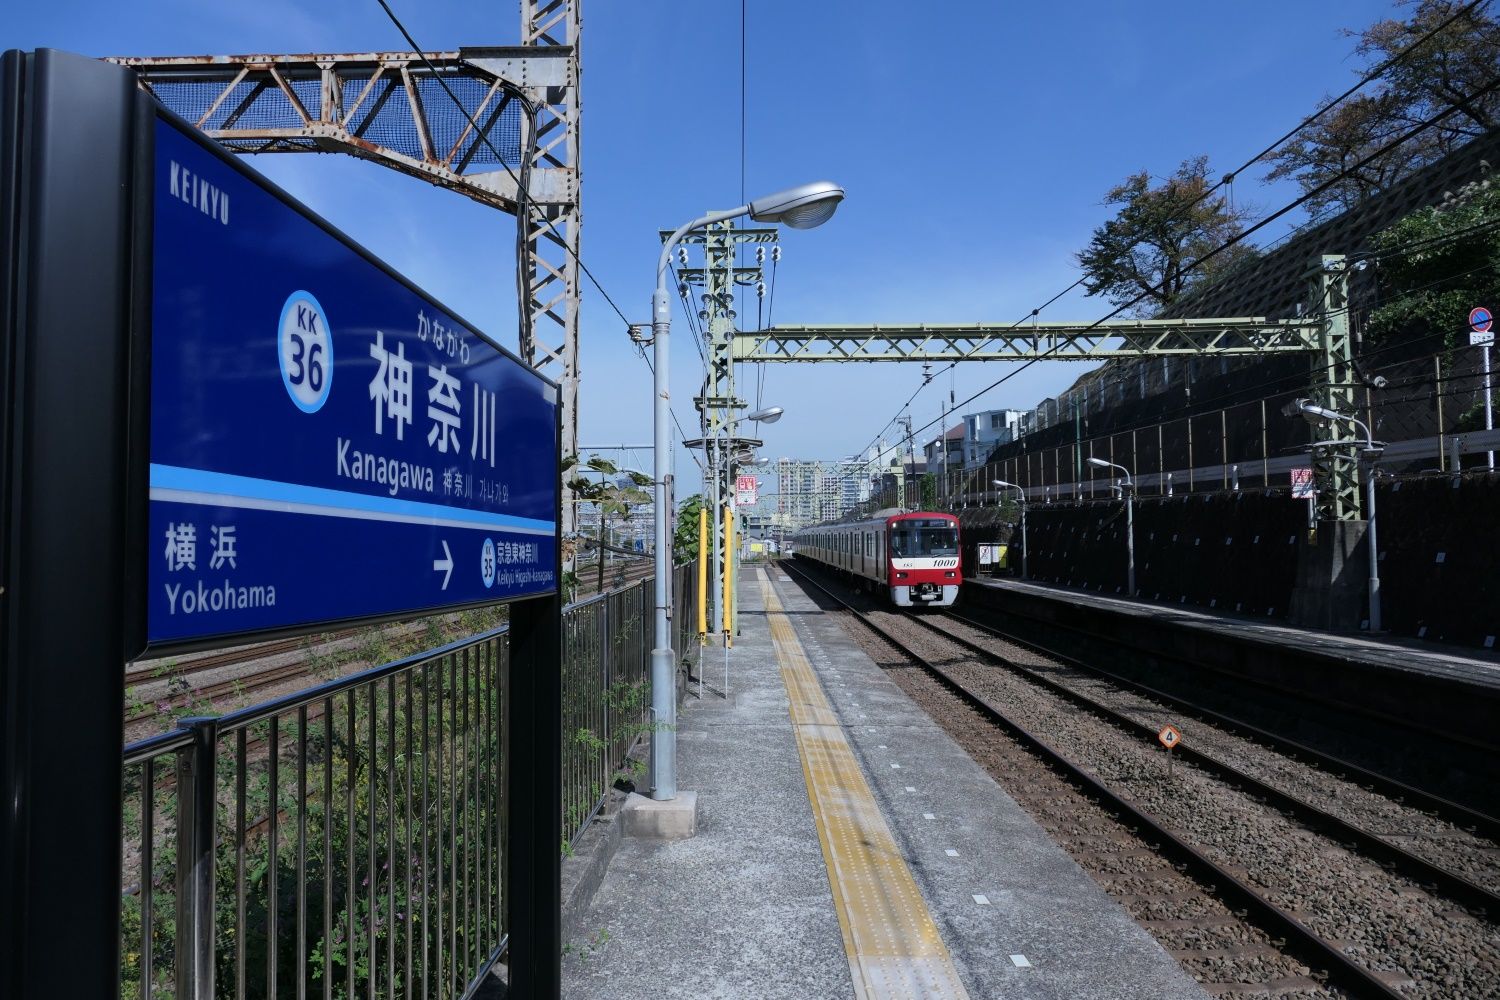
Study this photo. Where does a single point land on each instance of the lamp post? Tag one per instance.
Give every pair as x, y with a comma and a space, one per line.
1021, 495
1368, 455
800, 208
1129, 490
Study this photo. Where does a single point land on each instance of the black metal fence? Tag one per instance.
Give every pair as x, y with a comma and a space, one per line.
348, 840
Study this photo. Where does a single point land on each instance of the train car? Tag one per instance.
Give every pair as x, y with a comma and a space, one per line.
912, 557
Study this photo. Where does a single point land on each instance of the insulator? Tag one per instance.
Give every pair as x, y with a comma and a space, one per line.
760, 289
682, 255
682, 289
776, 253
731, 314
728, 297
705, 299
703, 314
760, 255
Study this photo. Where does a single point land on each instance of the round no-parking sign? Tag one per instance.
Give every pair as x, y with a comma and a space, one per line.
1481, 326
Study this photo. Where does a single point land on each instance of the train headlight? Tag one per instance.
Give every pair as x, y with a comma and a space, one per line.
900, 576
950, 574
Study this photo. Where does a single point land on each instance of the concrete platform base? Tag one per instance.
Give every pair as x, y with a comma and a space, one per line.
675, 819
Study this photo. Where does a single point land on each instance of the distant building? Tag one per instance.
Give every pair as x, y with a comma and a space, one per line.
988, 430
808, 492
953, 443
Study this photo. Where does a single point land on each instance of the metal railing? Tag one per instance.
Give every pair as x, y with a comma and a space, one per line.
348, 840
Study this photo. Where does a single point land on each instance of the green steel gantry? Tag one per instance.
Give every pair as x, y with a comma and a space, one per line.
1322, 333
718, 404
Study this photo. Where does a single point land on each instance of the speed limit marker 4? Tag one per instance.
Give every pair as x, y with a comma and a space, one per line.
1169, 736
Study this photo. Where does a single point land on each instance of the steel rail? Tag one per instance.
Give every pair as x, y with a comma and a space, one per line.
1455, 812
1300, 937
146, 675
1451, 883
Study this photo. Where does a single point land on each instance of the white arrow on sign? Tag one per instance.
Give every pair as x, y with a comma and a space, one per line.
444, 565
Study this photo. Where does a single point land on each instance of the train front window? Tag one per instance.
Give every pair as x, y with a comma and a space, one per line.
917, 539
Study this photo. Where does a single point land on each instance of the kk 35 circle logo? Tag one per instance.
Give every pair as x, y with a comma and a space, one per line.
306, 349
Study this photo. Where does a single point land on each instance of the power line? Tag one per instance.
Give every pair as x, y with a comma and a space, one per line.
523, 201
1233, 241
742, 102
1228, 178
523, 195
1281, 383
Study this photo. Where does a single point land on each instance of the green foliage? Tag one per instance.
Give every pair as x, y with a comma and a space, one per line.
1145, 251
1444, 71
929, 491
1430, 278
366, 793
685, 540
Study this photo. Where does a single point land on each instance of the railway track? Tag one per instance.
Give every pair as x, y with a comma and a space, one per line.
1457, 813
166, 672
1289, 857
634, 572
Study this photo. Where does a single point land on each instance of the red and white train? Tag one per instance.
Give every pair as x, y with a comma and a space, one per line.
913, 557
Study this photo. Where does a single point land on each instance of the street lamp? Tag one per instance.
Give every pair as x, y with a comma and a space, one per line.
800, 208
767, 415
1021, 495
1369, 455
1129, 490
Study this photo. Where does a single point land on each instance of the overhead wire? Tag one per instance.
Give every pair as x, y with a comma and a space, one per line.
483, 136
1280, 383
524, 206
1233, 241
1228, 179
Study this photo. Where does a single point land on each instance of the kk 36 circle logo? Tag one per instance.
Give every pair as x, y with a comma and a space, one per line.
306, 349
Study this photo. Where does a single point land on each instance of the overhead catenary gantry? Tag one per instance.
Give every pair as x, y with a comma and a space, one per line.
1322, 334
1034, 341
390, 108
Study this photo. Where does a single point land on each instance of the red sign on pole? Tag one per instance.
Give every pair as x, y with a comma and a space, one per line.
746, 491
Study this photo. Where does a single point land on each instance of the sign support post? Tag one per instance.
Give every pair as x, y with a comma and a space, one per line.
66, 131
1482, 333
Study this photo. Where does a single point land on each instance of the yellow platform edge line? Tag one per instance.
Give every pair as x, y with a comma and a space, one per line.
893, 944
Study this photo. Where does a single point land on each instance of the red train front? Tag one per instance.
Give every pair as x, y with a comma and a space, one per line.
913, 557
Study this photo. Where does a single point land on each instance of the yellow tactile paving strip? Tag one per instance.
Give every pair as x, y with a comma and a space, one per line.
893, 945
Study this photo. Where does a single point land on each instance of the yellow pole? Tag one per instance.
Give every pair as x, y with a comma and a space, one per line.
728, 574
703, 560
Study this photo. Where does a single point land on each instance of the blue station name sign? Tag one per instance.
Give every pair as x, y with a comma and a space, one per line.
327, 443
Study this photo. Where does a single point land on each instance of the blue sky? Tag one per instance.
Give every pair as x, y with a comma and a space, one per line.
975, 139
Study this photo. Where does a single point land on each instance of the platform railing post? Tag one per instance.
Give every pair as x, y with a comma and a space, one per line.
196, 804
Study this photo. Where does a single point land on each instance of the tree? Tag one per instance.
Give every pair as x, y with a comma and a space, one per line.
1144, 256
1333, 149
1448, 70
685, 542
1435, 265
613, 499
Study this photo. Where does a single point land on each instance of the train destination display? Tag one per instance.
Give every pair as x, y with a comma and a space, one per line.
326, 442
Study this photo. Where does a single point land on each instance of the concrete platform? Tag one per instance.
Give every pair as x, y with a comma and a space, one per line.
1447, 694
1448, 663
745, 908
